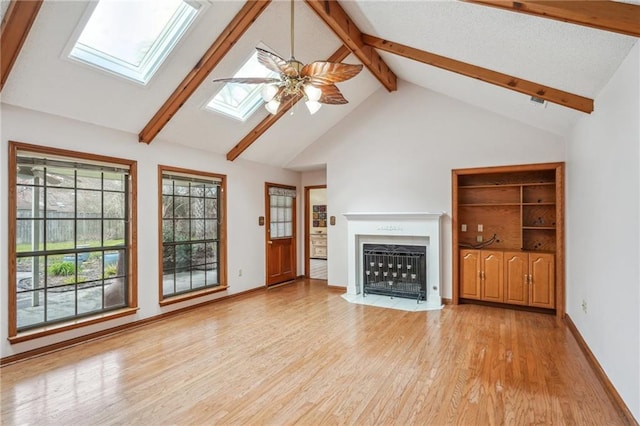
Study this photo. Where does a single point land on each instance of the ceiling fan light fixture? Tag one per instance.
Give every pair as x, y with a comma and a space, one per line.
272, 106
269, 91
313, 106
313, 93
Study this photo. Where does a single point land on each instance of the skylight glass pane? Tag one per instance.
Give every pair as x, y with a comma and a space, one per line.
132, 38
241, 100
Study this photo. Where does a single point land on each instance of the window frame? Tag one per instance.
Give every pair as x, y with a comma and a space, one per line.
131, 307
222, 235
162, 48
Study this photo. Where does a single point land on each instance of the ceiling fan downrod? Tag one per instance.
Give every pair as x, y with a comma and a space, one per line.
292, 32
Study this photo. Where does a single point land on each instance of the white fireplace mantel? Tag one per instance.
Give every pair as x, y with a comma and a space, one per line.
417, 228
398, 216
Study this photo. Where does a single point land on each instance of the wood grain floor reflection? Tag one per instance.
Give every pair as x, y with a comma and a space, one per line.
300, 354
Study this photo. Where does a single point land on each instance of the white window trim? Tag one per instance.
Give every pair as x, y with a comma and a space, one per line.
89, 57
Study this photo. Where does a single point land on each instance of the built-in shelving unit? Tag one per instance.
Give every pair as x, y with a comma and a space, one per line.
505, 211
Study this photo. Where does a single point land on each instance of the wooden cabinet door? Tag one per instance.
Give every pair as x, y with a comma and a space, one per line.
542, 280
516, 270
470, 274
492, 274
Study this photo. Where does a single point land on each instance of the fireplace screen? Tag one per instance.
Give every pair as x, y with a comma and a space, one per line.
395, 270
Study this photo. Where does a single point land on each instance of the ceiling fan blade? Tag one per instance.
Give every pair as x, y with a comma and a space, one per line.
275, 63
331, 95
247, 80
321, 72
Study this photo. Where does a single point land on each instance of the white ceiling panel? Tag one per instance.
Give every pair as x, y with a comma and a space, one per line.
569, 57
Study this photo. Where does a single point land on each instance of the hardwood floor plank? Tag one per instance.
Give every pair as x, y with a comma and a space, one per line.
300, 354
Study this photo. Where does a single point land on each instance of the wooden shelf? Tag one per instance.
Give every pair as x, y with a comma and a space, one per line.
491, 205
498, 185
539, 184
550, 228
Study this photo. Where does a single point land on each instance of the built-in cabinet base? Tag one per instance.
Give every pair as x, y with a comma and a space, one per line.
512, 277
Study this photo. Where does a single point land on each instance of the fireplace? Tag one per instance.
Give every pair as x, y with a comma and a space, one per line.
412, 233
395, 270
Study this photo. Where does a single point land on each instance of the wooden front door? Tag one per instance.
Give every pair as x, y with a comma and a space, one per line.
280, 201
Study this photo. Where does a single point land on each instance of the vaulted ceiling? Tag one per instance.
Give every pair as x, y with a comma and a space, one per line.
488, 53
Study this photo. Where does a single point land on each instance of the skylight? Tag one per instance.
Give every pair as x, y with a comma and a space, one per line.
133, 38
241, 100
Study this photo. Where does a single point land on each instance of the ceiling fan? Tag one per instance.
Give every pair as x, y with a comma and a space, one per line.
314, 82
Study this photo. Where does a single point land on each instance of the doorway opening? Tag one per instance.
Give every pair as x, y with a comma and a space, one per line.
316, 221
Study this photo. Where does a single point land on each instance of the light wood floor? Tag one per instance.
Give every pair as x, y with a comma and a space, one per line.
301, 354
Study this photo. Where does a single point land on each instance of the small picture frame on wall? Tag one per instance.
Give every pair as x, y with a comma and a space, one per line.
319, 215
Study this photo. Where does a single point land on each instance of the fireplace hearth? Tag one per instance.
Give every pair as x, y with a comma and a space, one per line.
395, 270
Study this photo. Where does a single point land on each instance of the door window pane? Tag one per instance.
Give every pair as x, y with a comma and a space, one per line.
281, 216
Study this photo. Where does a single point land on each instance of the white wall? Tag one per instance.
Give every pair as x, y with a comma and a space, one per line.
396, 152
245, 202
603, 229
314, 177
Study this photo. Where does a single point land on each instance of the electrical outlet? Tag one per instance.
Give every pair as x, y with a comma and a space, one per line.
584, 306
463, 228
239, 272
479, 238
480, 227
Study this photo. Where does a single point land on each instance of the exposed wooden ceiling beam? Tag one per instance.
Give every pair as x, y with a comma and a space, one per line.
236, 28
16, 25
341, 24
550, 94
607, 15
270, 120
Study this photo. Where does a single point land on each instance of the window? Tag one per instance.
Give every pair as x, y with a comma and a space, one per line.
281, 203
192, 233
71, 251
133, 38
241, 100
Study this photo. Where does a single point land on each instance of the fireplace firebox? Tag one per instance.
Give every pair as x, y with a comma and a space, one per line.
395, 270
